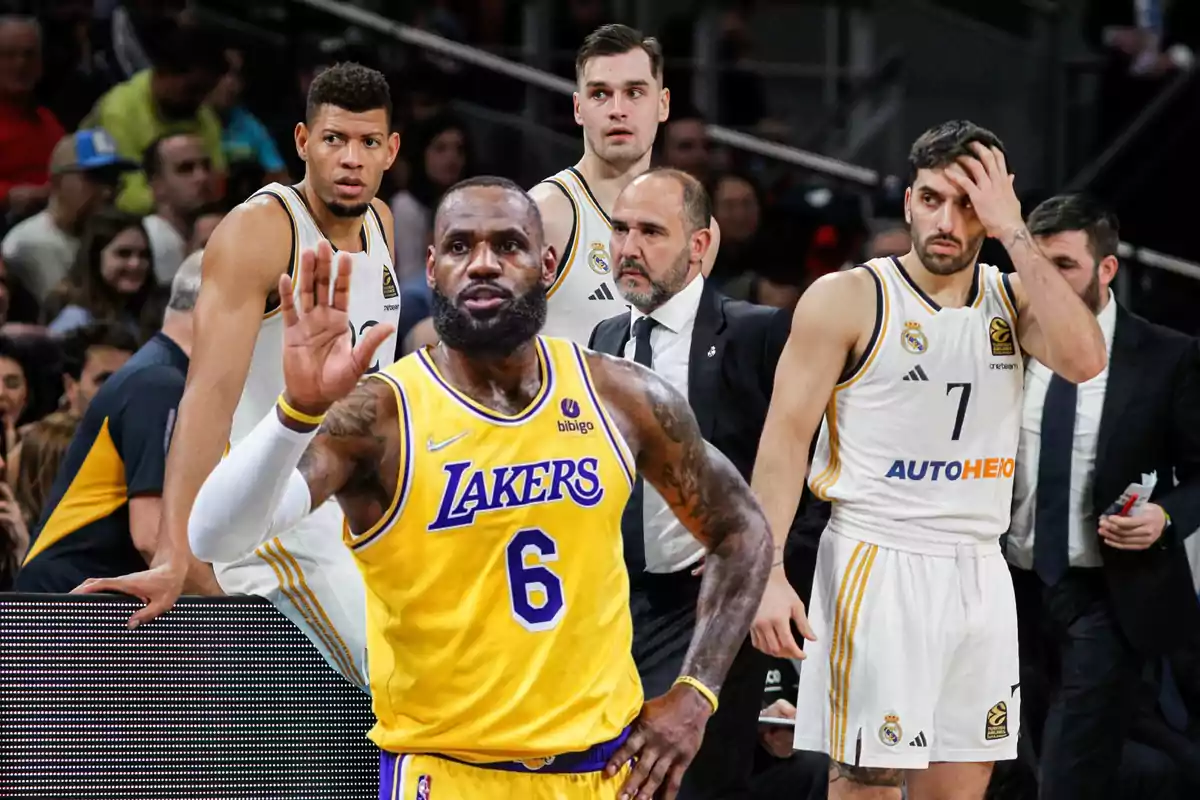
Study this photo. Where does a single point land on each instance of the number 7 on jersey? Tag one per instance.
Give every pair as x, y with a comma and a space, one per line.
963, 399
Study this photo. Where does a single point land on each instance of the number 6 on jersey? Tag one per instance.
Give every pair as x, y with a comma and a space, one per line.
534, 590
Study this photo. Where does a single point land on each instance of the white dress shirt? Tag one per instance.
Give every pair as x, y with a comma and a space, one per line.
670, 547
1083, 542
167, 247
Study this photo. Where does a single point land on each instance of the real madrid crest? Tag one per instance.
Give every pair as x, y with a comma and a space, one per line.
890, 732
598, 258
913, 338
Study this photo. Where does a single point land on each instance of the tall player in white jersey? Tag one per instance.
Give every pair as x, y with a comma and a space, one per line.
236, 372
915, 366
620, 101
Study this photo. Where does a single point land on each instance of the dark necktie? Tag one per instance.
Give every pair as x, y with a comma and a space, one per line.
632, 523
1050, 528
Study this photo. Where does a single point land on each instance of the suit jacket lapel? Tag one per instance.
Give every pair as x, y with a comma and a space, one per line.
704, 358
1122, 379
612, 336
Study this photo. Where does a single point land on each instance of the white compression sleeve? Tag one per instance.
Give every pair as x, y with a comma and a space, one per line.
253, 495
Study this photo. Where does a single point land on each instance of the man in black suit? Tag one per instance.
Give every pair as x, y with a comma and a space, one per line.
721, 354
1099, 593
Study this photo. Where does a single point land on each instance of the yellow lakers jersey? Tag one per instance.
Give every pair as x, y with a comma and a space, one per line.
497, 596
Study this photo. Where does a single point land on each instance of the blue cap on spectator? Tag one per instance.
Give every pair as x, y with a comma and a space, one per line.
87, 150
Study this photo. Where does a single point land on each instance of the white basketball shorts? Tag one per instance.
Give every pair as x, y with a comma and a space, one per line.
310, 575
915, 659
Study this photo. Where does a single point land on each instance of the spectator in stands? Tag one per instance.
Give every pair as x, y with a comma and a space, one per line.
33, 464
168, 98
102, 515
686, 146
28, 131
780, 771
112, 279
890, 238
14, 535
84, 170
1102, 590
91, 355
438, 155
244, 137
180, 176
206, 222
14, 390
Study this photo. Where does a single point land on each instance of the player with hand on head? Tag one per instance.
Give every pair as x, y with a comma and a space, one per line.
487, 529
912, 367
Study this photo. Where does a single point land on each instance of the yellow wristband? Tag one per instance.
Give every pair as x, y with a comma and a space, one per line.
688, 680
298, 416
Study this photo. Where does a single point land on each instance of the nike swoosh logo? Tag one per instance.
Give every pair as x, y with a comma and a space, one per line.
433, 446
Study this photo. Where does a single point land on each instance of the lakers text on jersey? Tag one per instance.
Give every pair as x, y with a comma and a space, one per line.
307, 573
919, 439
497, 594
584, 293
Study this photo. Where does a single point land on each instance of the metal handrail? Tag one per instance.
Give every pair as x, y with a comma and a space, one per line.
830, 167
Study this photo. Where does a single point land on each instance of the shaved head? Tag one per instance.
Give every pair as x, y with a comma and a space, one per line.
455, 194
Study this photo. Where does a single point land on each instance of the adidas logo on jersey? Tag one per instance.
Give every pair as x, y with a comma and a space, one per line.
916, 374
603, 293
919, 741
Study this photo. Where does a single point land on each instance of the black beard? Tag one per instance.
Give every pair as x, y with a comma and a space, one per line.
347, 212
496, 335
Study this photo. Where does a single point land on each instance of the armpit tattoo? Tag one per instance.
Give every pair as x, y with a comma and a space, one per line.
865, 776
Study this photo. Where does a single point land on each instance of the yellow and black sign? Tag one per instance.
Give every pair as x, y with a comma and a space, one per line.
997, 722
389, 285
1000, 332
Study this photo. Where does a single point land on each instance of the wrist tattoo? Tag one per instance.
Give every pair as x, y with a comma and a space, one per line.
1021, 234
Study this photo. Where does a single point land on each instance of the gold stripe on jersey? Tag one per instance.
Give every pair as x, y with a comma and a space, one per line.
295, 587
568, 256
1002, 290
836, 645
404, 473
847, 614
980, 288
273, 297
821, 484
591, 198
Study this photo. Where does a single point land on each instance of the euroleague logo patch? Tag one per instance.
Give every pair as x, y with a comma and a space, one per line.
997, 722
1000, 335
570, 410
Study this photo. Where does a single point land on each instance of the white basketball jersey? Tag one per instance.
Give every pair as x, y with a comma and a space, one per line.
374, 298
583, 294
919, 439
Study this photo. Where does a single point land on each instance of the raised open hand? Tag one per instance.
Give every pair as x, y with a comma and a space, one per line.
321, 364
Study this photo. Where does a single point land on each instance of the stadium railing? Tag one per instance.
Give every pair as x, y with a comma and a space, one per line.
824, 166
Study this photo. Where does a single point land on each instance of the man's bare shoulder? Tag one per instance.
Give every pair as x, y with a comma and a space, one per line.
550, 198
252, 244
840, 301
634, 395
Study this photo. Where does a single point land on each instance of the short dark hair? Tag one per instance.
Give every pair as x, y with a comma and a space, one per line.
152, 161
183, 49
697, 206
942, 145
75, 345
349, 86
495, 181
1078, 212
615, 39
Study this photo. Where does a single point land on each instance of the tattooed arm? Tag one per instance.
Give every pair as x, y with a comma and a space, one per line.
714, 502
284, 469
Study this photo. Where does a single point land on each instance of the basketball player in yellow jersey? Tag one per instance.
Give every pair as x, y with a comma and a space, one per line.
483, 481
235, 372
620, 101
911, 671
